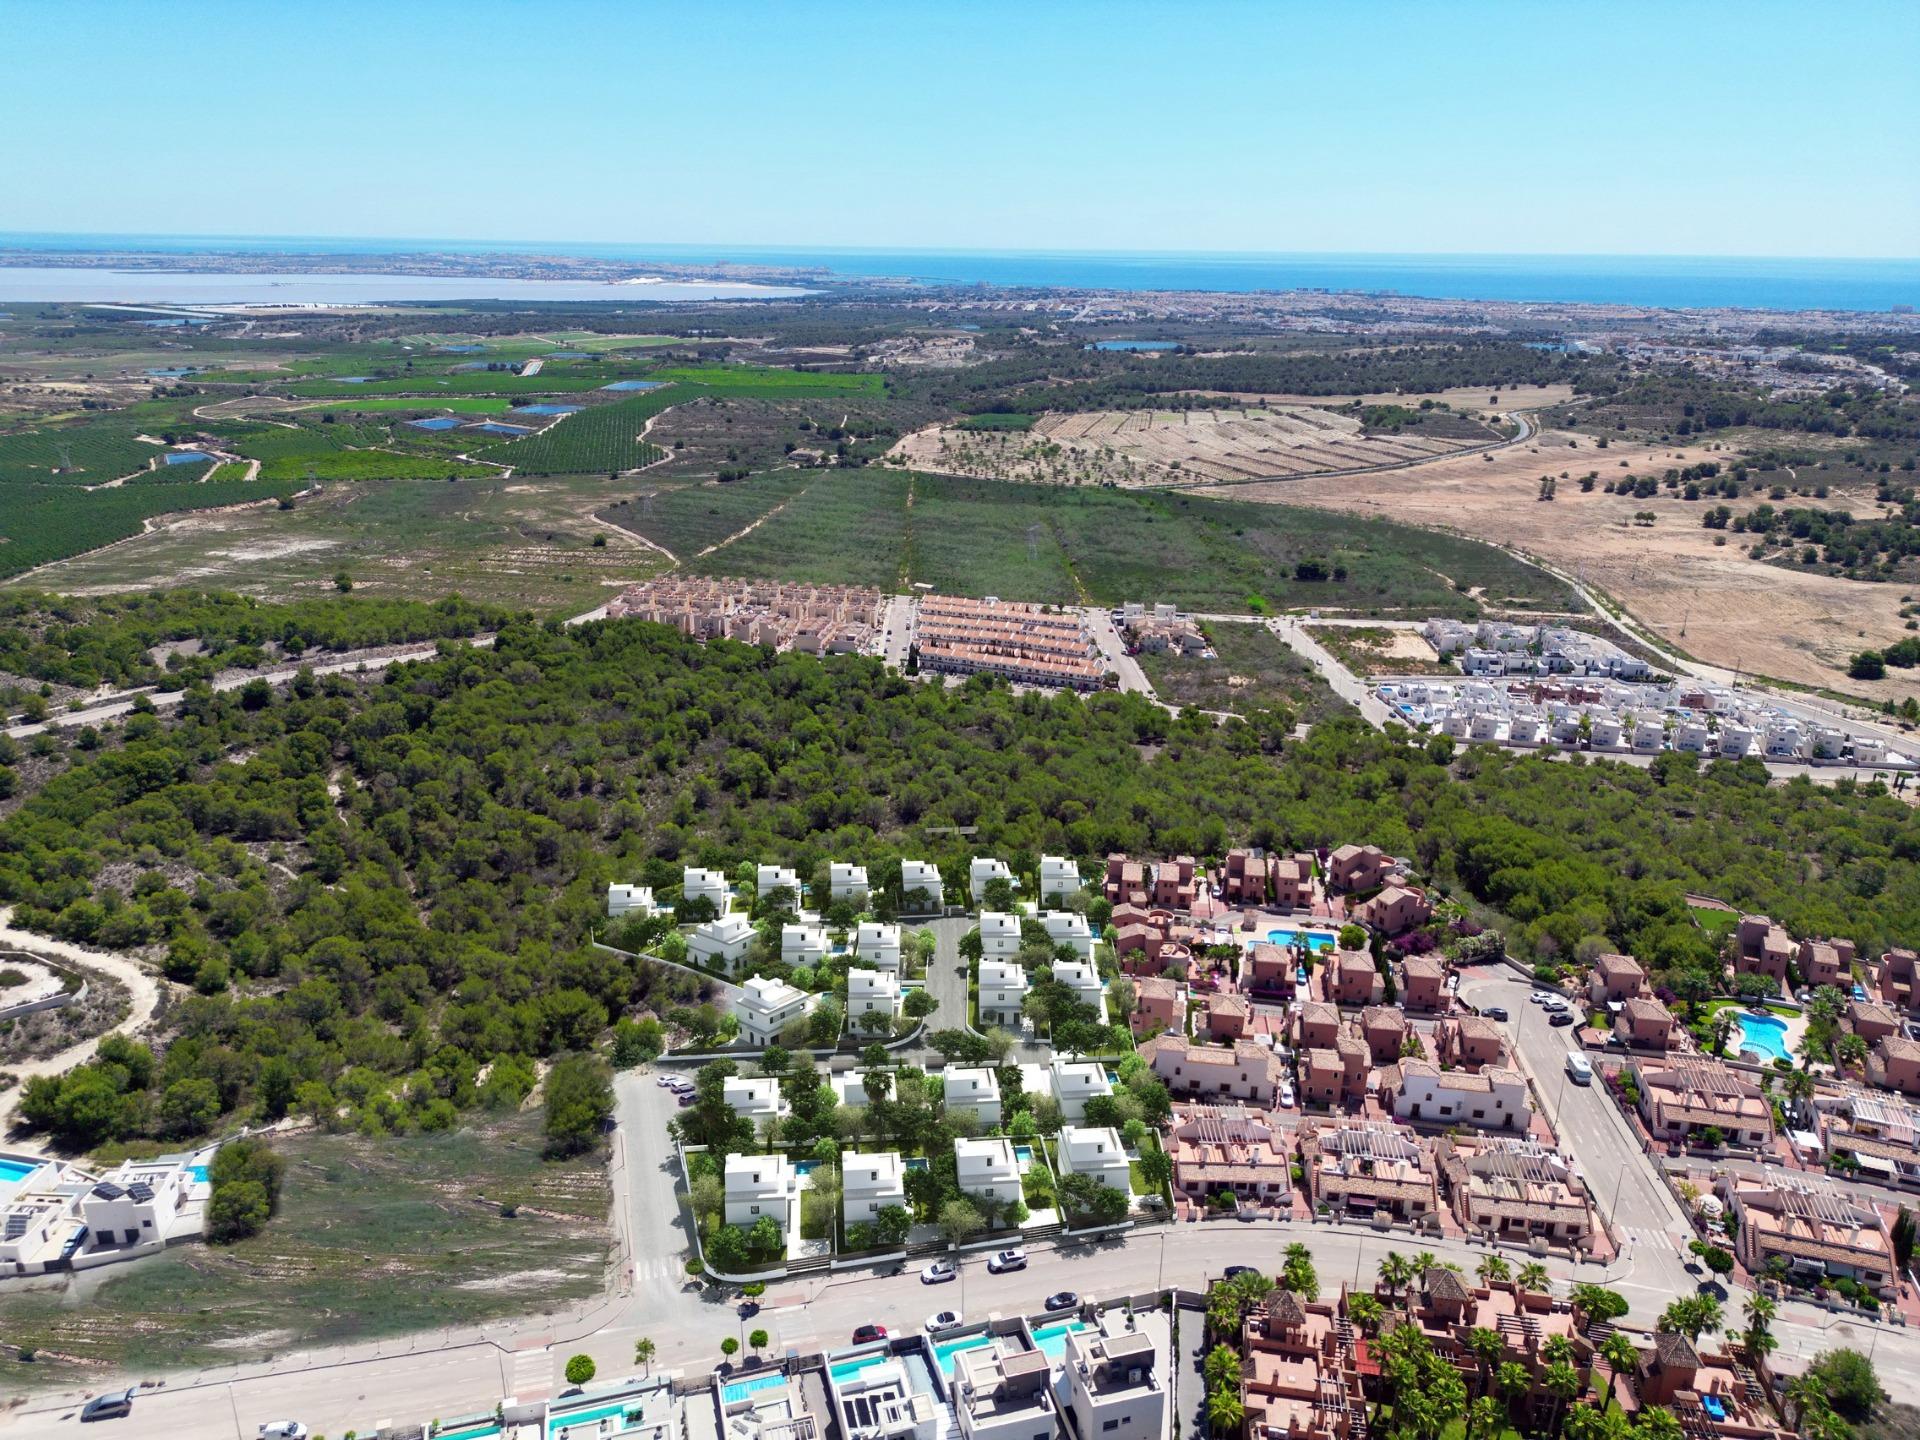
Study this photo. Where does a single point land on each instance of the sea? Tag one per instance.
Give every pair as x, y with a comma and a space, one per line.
1664, 281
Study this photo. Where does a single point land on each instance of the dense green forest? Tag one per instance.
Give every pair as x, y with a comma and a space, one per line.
374, 889
1681, 402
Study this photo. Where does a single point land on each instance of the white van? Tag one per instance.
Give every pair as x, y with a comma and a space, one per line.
1580, 1068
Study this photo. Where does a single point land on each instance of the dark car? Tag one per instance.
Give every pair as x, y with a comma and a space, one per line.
1062, 1300
1496, 1012
115, 1406
1235, 1270
1560, 1017
867, 1334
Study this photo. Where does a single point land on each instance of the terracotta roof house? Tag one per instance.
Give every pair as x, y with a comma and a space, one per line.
1357, 867
1872, 1020
1249, 1071
1291, 883
1813, 1228
1682, 1096
1395, 910
1298, 1379
1352, 978
1712, 1396
1470, 1042
1177, 883
1645, 1024
1334, 1074
1826, 962
1245, 880
1616, 978
1317, 1024
1423, 983
1356, 1167
1126, 881
1880, 1132
1385, 1030
1419, 1090
1894, 1064
1516, 1189
1158, 1004
1894, 978
1219, 1148
1227, 1016
1268, 973
1762, 948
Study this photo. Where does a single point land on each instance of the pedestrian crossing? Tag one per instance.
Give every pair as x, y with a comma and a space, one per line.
530, 1376
1650, 1236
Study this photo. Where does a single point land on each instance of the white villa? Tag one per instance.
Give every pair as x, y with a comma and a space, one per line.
974, 1090
710, 884
1074, 1083
850, 1088
1058, 876
768, 1006
1064, 927
872, 990
982, 872
770, 878
721, 943
1493, 1099
847, 882
1081, 978
1114, 1379
755, 1100
877, 945
1096, 1152
870, 1183
803, 944
986, 1167
1003, 988
630, 900
999, 935
761, 1185
919, 875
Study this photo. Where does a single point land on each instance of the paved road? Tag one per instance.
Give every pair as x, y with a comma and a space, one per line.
1348, 686
1113, 652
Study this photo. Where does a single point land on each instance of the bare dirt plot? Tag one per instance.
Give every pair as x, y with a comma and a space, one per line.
1466, 398
1710, 601
1161, 447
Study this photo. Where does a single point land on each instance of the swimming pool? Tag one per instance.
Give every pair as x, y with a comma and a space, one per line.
1136, 344
1052, 1339
804, 1167
735, 1393
848, 1369
1312, 939
1764, 1035
918, 1162
494, 427
943, 1354
11, 1170
1023, 1154
199, 1173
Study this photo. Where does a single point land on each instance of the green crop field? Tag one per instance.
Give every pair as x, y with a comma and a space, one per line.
769, 383
997, 420
847, 528
564, 379
43, 523
370, 465
688, 519
310, 437
601, 437
88, 452
449, 404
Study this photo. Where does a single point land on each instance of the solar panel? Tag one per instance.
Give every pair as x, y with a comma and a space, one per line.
140, 1191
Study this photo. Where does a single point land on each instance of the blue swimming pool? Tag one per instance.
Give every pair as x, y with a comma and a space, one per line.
1315, 940
440, 422
11, 1170
1763, 1035
634, 385
543, 409
461, 349
918, 1162
1052, 1339
943, 1354
352, 379
740, 1390
804, 1167
847, 1369
199, 1173
187, 457
1023, 1154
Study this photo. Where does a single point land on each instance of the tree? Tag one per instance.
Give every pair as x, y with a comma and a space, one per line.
758, 1339
1396, 1272
236, 1211
1492, 1268
1903, 1238
1486, 1347
1805, 1392
1224, 1410
1691, 1316
1657, 1423
729, 1347
1221, 1368
1598, 1303
1852, 1387
1620, 1353
1483, 1415
1512, 1381
920, 1003
643, 1353
960, 1221
1298, 1274
579, 1102
1365, 1311
1562, 1382
1156, 1167
1532, 1277
580, 1369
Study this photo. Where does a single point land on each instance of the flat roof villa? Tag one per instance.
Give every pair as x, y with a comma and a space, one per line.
1059, 876
1095, 1151
755, 1099
759, 1185
1066, 927
54, 1215
869, 1183
721, 944
987, 1167
999, 935
766, 1006
769, 878
803, 944
877, 945
767, 1406
982, 871
629, 900
847, 882
1116, 1376
711, 885
974, 1090
918, 875
1515, 1189
1003, 989
1075, 1082
1084, 981
1813, 1228
872, 992
1000, 1393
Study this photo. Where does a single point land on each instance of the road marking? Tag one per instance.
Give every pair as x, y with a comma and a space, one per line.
532, 1374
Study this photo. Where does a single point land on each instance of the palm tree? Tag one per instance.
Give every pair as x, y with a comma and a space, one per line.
1850, 1049
1423, 1262
1365, 1311
1221, 1367
1493, 1268
1760, 1310
643, 1353
1558, 1350
1224, 1410
1512, 1381
1803, 1393
1483, 1416
1760, 1343
1486, 1347
1620, 1353
1562, 1382
1532, 1277
1396, 1272
1798, 1088
1721, 1029
1657, 1424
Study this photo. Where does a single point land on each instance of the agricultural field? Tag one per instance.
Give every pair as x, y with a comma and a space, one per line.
844, 528
311, 436
1253, 670
1133, 448
43, 523
354, 465
772, 383
565, 379
527, 544
599, 438
688, 520
448, 405
88, 452
377, 1238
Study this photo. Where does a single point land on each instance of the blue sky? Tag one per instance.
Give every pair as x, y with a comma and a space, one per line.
1597, 128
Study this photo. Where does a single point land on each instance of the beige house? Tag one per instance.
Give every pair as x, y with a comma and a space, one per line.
1683, 1096
1362, 1167
1515, 1189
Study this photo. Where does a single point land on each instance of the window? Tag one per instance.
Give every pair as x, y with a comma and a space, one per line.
753, 1209
1109, 1424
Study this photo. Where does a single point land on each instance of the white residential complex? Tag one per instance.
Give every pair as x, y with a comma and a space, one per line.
869, 1184
1064, 927
847, 882
803, 944
999, 935
872, 992
1058, 877
767, 1006
629, 900
1003, 989
877, 945
720, 944
972, 1090
919, 875
770, 878
697, 884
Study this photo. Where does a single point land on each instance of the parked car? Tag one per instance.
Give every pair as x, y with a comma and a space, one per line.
114, 1406
1541, 997
1286, 1094
867, 1334
1496, 1012
1554, 1005
283, 1430
942, 1321
1062, 1300
1007, 1260
1232, 1270
938, 1273
1560, 1017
